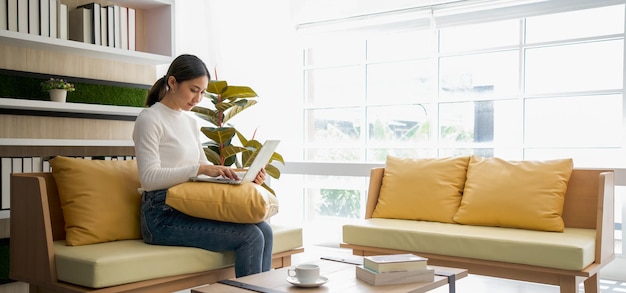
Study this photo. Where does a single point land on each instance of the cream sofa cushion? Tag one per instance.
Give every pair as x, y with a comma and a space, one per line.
421, 189
574, 249
120, 262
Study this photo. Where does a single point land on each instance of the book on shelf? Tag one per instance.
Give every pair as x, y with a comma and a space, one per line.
22, 16
80, 25
94, 9
123, 28
62, 21
27, 165
5, 181
44, 18
53, 18
12, 15
16, 164
45, 166
131, 29
110, 25
397, 277
395, 262
114, 26
3, 15
37, 164
104, 26
33, 17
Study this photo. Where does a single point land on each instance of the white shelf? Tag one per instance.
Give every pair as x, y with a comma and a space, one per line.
64, 142
48, 106
72, 47
5, 214
157, 28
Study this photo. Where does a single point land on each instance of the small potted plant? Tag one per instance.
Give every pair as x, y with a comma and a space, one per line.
58, 88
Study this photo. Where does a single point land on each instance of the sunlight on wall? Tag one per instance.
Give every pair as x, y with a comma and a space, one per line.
252, 43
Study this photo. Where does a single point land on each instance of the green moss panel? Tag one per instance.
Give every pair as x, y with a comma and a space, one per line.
28, 86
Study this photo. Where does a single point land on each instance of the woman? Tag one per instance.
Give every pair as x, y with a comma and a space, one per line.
169, 152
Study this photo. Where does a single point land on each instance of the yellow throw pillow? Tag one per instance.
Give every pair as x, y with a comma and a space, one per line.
516, 194
99, 199
421, 189
245, 203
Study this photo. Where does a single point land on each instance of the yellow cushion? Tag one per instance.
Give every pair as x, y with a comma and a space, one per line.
421, 189
99, 199
245, 203
515, 194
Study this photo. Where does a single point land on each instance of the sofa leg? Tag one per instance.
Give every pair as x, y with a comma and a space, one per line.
568, 284
592, 284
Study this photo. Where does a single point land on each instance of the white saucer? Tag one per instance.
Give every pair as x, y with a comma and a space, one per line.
320, 281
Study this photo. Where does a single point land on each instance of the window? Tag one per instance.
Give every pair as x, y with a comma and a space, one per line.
529, 86
542, 86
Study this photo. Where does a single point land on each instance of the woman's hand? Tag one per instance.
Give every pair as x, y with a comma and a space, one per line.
217, 170
260, 177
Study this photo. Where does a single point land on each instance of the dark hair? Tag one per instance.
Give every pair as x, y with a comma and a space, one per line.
184, 67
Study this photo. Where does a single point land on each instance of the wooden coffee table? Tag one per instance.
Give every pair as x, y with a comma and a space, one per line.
341, 278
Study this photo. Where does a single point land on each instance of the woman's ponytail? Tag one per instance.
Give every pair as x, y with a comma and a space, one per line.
157, 92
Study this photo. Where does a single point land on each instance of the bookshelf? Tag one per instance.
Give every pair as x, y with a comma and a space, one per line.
43, 128
154, 36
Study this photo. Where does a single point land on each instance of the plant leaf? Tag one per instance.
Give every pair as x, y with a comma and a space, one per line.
268, 188
220, 135
238, 92
272, 171
237, 109
242, 139
212, 156
217, 86
206, 114
232, 150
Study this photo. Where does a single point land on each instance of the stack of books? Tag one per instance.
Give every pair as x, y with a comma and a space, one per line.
394, 269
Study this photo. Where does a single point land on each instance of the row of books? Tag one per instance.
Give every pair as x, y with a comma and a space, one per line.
395, 269
38, 17
10, 165
110, 26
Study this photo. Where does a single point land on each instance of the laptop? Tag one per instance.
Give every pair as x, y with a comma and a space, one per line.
263, 156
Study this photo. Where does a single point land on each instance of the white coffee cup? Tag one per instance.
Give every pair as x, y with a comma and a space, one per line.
305, 273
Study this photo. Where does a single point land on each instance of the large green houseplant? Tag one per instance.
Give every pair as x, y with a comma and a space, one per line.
228, 101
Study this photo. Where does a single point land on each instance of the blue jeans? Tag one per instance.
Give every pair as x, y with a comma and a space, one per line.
164, 225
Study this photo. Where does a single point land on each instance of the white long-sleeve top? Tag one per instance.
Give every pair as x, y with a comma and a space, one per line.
167, 147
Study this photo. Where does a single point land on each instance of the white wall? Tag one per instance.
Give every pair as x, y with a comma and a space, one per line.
251, 43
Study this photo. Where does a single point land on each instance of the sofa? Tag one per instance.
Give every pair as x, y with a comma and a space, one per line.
43, 256
564, 238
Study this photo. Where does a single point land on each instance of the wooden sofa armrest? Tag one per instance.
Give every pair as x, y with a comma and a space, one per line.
605, 234
376, 181
31, 254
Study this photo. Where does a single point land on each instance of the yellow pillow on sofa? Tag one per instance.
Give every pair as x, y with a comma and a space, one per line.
516, 194
99, 199
245, 203
421, 189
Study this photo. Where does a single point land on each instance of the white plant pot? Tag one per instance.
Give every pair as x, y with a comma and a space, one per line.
58, 95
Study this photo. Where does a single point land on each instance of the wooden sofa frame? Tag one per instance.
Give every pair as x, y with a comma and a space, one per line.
37, 221
588, 205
